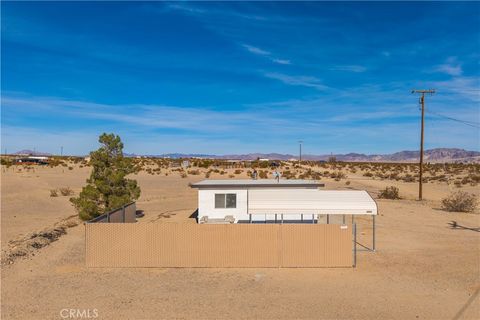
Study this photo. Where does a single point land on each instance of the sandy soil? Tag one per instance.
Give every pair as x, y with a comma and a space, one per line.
423, 269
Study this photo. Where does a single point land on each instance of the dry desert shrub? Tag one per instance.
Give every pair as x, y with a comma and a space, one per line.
338, 175
460, 201
390, 192
262, 174
408, 178
194, 172
66, 191
53, 193
287, 174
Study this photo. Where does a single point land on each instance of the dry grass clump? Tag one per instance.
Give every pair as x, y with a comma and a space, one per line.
288, 175
262, 174
338, 175
460, 201
66, 191
390, 192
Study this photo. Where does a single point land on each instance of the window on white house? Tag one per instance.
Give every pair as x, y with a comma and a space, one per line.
225, 200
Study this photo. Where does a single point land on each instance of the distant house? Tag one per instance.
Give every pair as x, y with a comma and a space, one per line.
32, 160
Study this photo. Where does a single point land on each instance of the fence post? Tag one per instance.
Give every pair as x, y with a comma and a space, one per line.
280, 244
123, 213
354, 245
108, 217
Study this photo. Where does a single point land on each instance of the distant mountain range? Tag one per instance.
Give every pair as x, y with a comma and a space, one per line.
431, 155
31, 153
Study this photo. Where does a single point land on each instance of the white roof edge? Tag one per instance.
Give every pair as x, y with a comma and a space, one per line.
256, 183
335, 202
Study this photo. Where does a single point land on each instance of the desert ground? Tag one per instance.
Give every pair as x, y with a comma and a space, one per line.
422, 269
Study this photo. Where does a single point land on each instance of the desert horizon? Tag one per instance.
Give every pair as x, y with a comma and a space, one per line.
436, 155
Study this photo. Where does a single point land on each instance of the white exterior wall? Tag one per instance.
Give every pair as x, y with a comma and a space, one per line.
206, 204
262, 204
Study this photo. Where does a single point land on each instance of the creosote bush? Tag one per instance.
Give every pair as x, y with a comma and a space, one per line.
53, 193
66, 191
262, 174
390, 192
460, 201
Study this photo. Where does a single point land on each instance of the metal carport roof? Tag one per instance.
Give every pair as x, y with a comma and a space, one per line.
310, 201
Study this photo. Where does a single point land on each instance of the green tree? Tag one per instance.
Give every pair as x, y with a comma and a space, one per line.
107, 188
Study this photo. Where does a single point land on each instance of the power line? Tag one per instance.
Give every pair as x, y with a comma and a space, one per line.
468, 123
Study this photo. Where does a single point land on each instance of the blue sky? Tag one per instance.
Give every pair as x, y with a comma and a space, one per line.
228, 78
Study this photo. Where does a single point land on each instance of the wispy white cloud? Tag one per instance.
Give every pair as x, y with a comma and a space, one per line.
451, 67
199, 119
262, 52
182, 7
213, 11
256, 50
304, 81
162, 128
282, 61
460, 87
350, 68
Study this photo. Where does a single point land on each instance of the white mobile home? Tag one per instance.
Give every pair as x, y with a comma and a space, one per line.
272, 201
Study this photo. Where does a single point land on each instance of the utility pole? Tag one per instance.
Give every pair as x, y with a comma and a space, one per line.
422, 102
300, 157
61, 151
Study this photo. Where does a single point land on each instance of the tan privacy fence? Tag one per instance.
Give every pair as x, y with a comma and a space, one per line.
126, 214
218, 246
